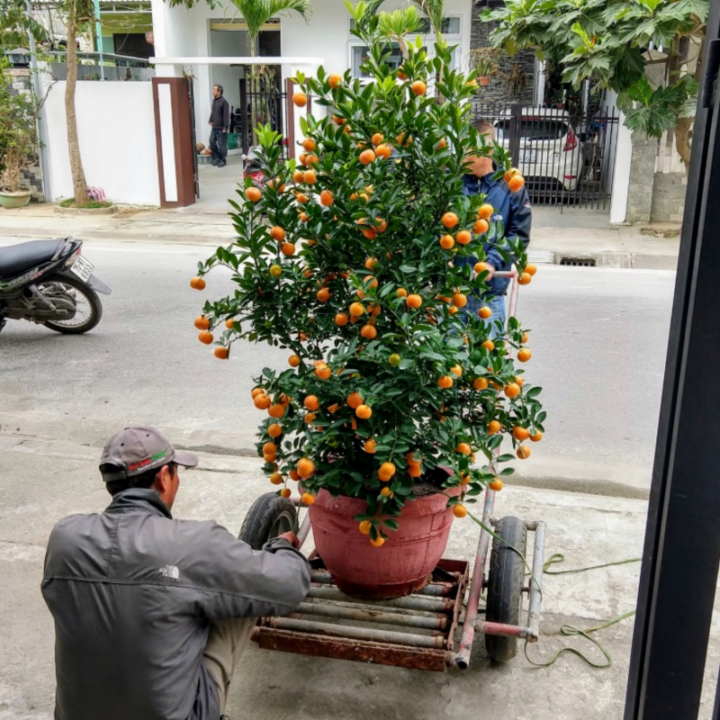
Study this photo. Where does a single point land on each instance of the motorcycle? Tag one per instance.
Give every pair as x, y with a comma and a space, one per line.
251, 165
49, 282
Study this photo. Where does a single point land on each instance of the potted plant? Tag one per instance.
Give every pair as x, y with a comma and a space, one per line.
485, 69
394, 402
485, 64
17, 144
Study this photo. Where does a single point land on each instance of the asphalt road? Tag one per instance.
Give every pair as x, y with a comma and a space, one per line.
598, 339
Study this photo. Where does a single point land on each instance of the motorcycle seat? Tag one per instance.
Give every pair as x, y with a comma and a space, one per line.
16, 259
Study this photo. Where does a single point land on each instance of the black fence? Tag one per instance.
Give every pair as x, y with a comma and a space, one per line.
262, 102
567, 159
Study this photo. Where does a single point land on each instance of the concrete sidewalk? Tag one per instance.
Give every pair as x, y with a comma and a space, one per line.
41, 480
60, 478
572, 234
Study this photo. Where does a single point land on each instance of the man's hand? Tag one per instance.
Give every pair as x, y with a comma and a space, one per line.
490, 272
292, 538
224, 130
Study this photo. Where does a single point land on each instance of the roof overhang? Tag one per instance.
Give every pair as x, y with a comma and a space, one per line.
237, 60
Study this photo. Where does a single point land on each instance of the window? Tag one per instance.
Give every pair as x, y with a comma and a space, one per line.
537, 129
133, 45
450, 26
360, 54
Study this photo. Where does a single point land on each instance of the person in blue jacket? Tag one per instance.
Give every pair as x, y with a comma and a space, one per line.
512, 209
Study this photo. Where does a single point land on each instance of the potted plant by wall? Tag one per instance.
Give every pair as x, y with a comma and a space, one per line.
18, 144
485, 69
395, 402
485, 60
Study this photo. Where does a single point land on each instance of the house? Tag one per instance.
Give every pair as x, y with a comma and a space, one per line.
126, 28
220, 32
157, 122
518, 79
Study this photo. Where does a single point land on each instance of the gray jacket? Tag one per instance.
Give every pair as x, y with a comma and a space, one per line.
133, 593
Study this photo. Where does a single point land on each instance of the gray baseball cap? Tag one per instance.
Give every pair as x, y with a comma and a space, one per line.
135, 450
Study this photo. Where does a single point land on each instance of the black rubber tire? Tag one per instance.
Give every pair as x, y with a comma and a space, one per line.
505, 583
268, 517
90, 295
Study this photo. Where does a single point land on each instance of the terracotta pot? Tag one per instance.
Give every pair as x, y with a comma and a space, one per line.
399, 567
484, 80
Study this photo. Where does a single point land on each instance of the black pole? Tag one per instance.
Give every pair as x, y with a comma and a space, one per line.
682, 541
244, 114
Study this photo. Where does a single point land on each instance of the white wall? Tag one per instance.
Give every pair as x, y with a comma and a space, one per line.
325, 36
180, 32
228, 43
619, 150
328, 33
116, 126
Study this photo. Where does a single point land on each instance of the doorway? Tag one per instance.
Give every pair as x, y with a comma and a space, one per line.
228, 38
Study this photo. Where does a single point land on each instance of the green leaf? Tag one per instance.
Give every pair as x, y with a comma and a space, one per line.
533, 393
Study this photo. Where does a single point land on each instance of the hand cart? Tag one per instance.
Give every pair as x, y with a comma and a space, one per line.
432, 629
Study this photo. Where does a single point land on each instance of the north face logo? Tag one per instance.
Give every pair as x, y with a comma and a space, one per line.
170, 571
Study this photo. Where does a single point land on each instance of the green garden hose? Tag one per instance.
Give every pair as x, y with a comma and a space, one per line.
587, 633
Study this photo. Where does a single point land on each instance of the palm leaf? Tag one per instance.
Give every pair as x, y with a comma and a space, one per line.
399, 23
257, 12
372, 6
435, 11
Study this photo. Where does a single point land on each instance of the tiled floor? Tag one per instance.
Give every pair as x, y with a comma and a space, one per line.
218, 184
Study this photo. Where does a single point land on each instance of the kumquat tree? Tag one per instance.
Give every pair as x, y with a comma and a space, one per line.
345, 259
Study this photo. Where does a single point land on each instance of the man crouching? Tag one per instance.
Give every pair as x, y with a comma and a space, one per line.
152, 613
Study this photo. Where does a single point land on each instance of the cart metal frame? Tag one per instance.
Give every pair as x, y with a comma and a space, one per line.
419, 631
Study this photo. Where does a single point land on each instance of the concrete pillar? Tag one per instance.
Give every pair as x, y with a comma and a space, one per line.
642, 178
175, 151
622, 152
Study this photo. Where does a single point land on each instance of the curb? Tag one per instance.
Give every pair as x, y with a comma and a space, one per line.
605, 259
72, 211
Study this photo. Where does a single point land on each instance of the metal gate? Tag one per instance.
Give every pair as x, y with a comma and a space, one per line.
191, 92
567, 159
262, 101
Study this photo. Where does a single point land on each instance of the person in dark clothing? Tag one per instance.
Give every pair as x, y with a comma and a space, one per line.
152, 613
512, 210
220, 124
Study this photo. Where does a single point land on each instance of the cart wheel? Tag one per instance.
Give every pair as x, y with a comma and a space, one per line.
268, 517
505, 582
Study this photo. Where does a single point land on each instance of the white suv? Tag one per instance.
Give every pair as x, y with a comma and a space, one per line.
550, 154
